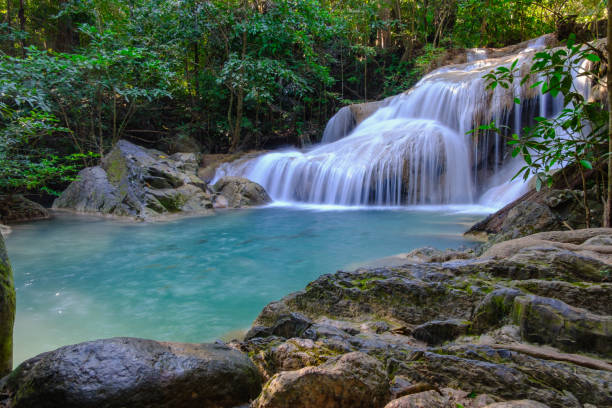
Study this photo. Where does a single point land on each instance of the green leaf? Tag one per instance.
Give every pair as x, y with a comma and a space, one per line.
586, 164
592, 57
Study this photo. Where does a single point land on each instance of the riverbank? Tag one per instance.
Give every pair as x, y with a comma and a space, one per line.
528, 319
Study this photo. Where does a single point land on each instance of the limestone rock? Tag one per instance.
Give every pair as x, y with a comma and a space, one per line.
352, 380
7, 311
129, 372
16, 208
551, 321
138, 182
241, 192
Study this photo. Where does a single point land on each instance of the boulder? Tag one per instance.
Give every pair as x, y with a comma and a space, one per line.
441, 398
129, 372
353, 380
16, 208
137, 182
147, 184
551, 321
7, 311
241, 192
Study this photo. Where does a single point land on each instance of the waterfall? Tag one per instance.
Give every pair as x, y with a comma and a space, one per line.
414, 149
340, 125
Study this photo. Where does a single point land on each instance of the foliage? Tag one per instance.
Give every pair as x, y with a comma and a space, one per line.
578, 133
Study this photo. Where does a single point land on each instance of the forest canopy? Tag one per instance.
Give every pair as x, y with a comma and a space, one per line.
221, 75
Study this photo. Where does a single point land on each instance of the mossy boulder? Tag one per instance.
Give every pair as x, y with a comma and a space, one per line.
17, 208
551, 321
7, 311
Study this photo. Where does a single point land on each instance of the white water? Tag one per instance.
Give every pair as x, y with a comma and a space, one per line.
414, 150
340, 125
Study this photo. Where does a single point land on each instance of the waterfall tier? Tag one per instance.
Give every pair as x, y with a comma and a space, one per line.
414, 149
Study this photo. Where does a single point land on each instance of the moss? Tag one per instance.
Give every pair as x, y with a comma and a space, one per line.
115, 168
7, 312
366, 283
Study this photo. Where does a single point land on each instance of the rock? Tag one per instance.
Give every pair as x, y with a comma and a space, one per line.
440, 398
494, 309
438, 331
593, 243
508, 375
5, 230
517, 404
241, 192
16, 208
287, 326
123, 372
544, 210
551, 321
527, 218
7, 311
352, 380
141, 183
596, 298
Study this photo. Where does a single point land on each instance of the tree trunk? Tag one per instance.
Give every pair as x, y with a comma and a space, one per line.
7, 312
22, 24
239, 99
607, 221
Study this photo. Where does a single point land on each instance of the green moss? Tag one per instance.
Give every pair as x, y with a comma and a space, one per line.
7, 312
366, 283
115, 168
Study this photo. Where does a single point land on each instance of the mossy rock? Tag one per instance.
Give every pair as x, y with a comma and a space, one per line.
7, 311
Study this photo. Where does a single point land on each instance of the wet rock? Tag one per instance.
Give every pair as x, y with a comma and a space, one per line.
551, 321
16, 208
7, 311
241, 192
123, 372
352, 380
438, 331
287, 326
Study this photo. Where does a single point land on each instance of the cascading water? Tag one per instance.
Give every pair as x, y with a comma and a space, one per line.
340, 125
413, 150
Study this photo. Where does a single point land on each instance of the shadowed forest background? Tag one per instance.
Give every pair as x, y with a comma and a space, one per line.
222, 76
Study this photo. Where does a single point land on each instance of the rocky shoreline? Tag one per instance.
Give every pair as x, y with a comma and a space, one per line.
526, 324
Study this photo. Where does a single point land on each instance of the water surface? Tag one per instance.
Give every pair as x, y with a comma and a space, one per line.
195, 279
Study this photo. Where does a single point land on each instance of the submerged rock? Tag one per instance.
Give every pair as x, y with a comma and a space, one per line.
147, 184
16, 208
7, 311
129, 372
